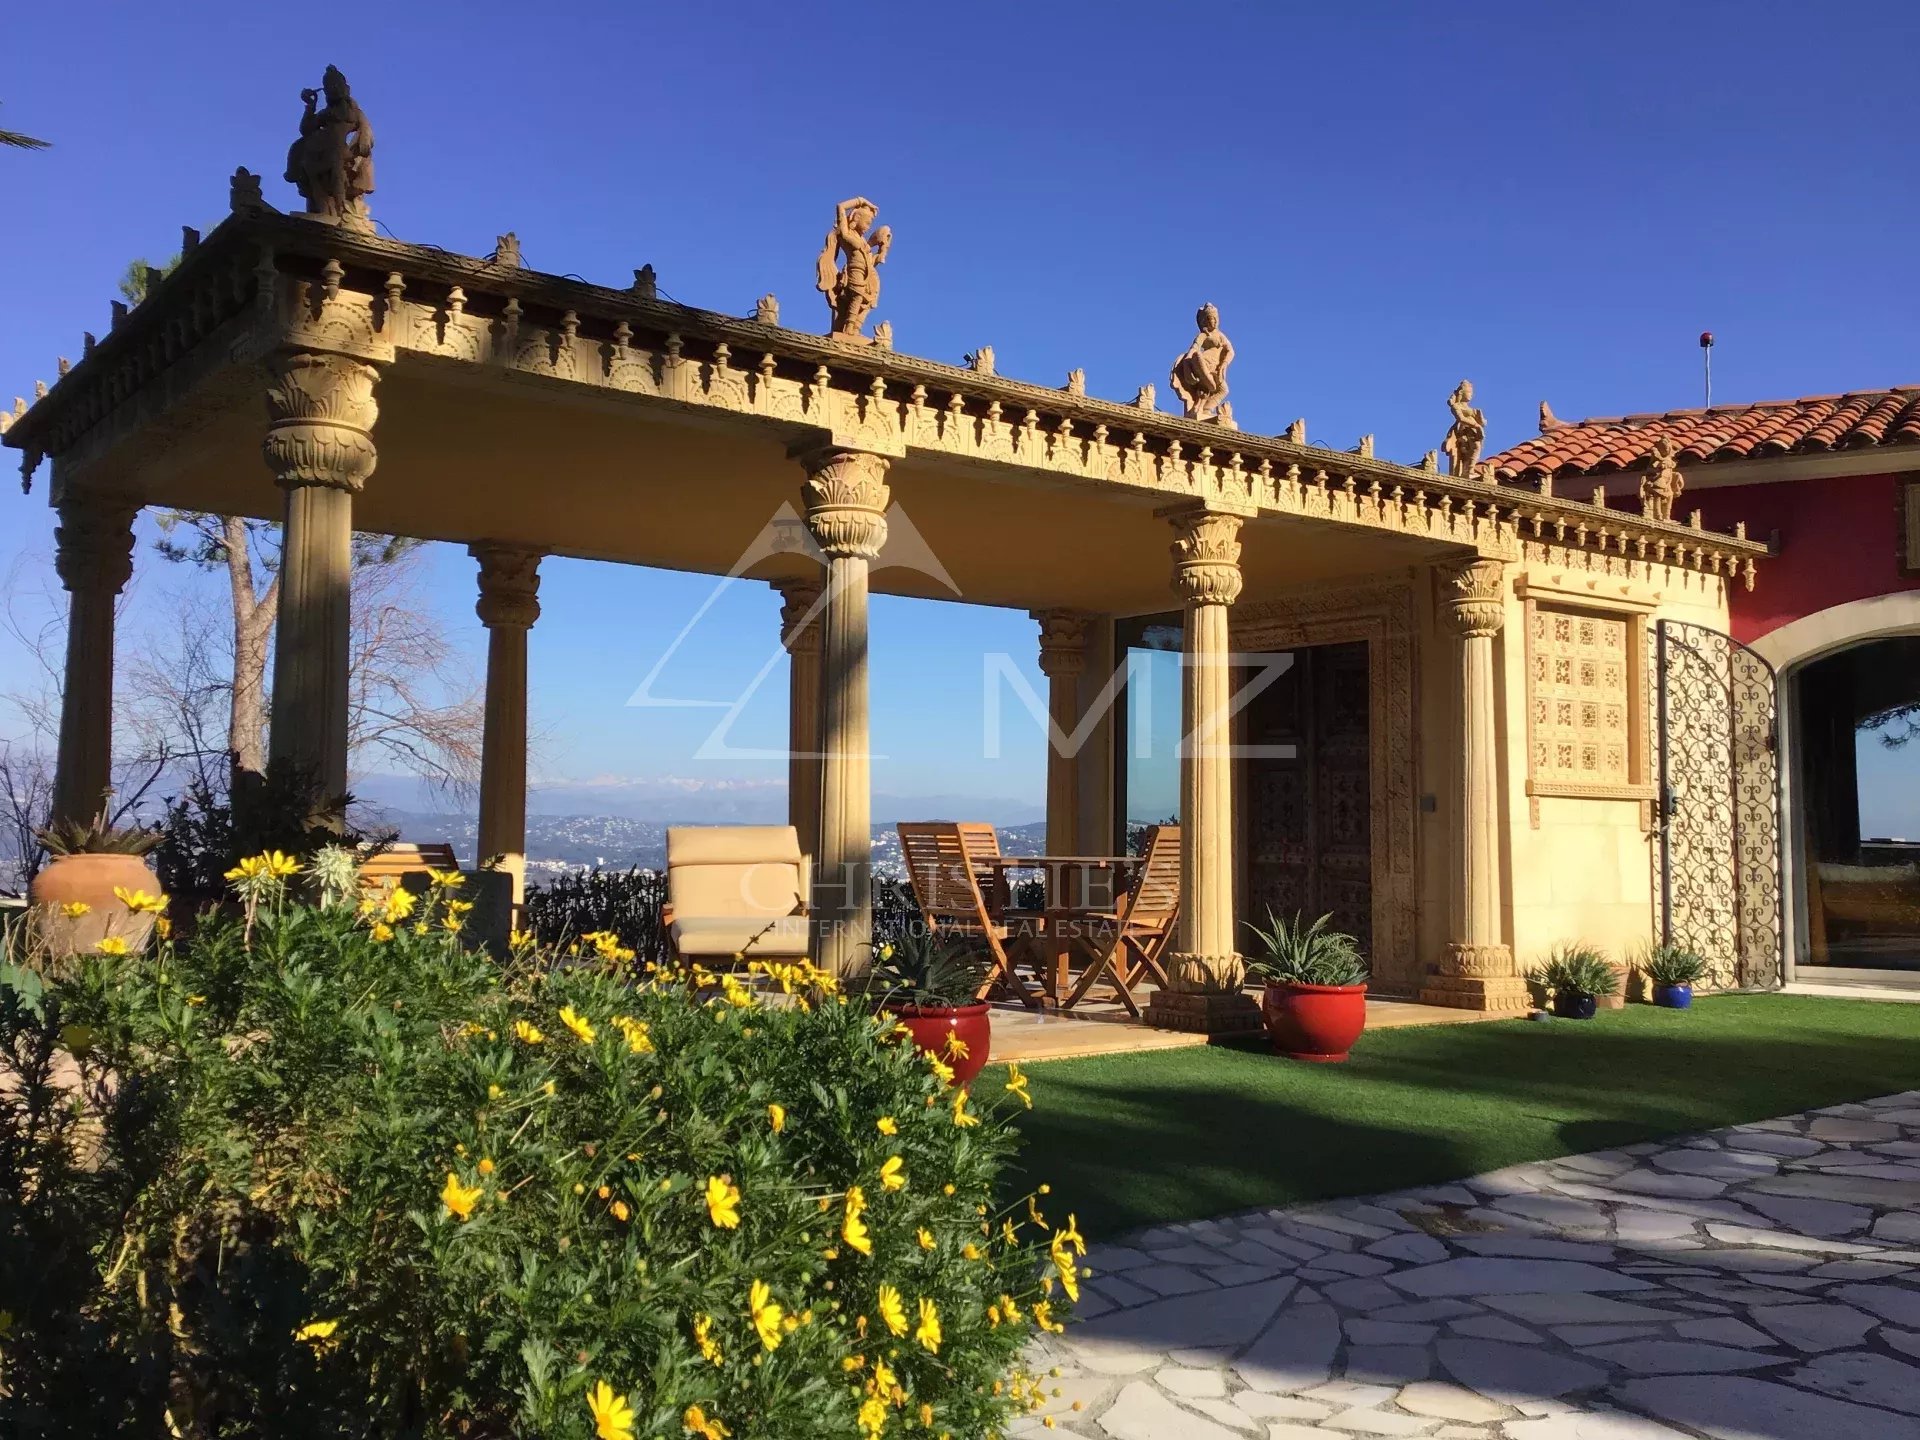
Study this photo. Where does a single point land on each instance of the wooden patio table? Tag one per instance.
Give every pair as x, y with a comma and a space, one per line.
1061, 924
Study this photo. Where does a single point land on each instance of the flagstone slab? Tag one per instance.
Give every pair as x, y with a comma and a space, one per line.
1591, 1425
1898, 1303
1679, 1357
1141, 1412
1816, 1327
1850, 1189
1514, 1373
1864, 1376
1738, 1407
1495, 1275
1294, 1353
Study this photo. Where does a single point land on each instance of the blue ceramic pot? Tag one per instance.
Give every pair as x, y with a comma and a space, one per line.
1575, 1007
1674, 997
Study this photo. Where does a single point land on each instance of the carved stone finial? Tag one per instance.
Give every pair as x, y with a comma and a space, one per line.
980, 361
1076, 382
39, 391
1365, 447
87, 342
1663, 483
1431, 462
646, 284
331, 164
1467, 436
883, 335
62, 365
1549, 422
1199, 377
1224, 416
119, 313
767, 310
243, 192
1297, 432
848, 270
1599, 497
506, 251
6, 421
1145, 400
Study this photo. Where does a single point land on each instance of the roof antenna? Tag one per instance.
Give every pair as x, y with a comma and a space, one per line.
1706, 359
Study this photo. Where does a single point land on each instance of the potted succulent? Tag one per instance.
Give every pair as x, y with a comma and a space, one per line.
931, 984
1578, 977
1315, 1002
1673, 971
95, 888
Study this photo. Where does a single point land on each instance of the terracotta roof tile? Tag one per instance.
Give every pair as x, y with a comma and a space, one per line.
1807, 426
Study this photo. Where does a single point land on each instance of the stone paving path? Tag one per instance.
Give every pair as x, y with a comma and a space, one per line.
1756, 1283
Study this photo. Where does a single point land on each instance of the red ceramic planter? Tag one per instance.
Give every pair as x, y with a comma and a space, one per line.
1314, 1022
933, 1025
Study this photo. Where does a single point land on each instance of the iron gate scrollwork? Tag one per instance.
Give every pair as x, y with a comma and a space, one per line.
1717, 734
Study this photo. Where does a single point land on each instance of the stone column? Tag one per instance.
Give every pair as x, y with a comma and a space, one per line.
846, 500
800, 633
94, 557
1063, 658
1205, 967
509, 603
1477, 971
319, 446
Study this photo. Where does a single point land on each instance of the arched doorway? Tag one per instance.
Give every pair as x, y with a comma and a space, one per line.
1856, 777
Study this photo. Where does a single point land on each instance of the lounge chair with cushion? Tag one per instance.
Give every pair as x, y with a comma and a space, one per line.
737, 891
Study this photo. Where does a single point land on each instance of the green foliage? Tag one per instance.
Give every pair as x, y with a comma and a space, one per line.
624, 903
319, 1172
140, 276
98, 836
205, 834
1673, 965
1293, 952
1577, 969
922, 968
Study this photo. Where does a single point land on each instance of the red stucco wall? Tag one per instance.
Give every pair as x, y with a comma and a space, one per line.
1839, 541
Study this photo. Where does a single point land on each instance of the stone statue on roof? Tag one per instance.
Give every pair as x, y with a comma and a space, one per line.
331, 164
1660, 487
1467, 436
1200, 376
849, 267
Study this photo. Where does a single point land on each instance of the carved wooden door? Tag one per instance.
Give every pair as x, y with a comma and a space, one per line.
1309, 822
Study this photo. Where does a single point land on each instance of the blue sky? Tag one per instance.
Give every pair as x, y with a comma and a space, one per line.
1381, 198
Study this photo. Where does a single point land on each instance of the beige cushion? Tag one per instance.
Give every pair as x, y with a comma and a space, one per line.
739, 872
781, 937
721, 844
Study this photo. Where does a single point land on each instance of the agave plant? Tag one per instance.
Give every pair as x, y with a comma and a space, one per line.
930, 970
1295, 953
1673, 965
1577, 970
98, 836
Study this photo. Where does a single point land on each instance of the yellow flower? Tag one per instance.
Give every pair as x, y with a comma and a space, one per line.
485, 1167
925, 1237
638, 1041
698, 1422
452, 923
723, 1202
449, 880
928, 1332
163, 927
892, 1175
1017, 1085
398, 905
1008, 1308
519, 939
1069, 1234
892, 1311
317, 1332
139, 901
777, 1117
270, 865
703, 1337
960, 1115
381, 932
620, 1211
111, 945
766, 1314
853, 1229
1043, 1317
493, 1092
887, 1125
940, 1067
196, 999
577, 1023
459, 1199
872, 1417
527, 1033
970, 1251
612, 1415
956, 1047
74, 909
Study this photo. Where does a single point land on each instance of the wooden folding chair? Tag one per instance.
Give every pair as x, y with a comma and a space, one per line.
961, 897
1128, 945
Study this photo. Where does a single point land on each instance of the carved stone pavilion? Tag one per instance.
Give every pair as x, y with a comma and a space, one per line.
1469, 715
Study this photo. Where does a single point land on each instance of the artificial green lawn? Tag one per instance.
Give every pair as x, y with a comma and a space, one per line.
1134, 1140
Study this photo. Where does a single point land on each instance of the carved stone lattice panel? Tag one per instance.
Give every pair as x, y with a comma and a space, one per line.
1719, 856
1579, 697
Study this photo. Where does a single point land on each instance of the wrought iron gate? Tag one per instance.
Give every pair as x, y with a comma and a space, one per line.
1717, 733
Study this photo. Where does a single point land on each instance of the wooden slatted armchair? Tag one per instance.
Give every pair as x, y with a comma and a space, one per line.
1128, 946
962, 898
400, 860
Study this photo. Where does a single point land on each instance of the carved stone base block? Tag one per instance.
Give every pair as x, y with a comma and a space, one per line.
1203, 1012
1505, 993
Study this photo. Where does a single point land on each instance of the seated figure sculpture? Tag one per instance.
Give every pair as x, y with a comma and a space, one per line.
1200, 376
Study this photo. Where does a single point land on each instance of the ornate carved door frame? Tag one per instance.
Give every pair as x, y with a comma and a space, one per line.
1382, 613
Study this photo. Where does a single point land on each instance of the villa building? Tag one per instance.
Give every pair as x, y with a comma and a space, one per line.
1461, 756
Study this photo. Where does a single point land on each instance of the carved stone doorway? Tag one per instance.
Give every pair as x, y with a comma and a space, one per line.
1309, 831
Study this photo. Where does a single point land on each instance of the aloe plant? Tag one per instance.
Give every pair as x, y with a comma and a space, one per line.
1577, 970
923, 968
1292, 952
98, 836
1673, 965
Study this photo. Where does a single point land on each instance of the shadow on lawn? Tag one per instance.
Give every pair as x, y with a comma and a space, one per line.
1136, 1140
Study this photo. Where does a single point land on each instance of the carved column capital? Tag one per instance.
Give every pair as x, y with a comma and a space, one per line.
1473, 597
94, 543
509, 585
846, 497
1063, 642
1206, 557
799, 614
320, 414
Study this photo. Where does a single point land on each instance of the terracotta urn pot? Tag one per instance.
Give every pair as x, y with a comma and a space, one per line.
90, 880
934, 1026
1317, 1023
